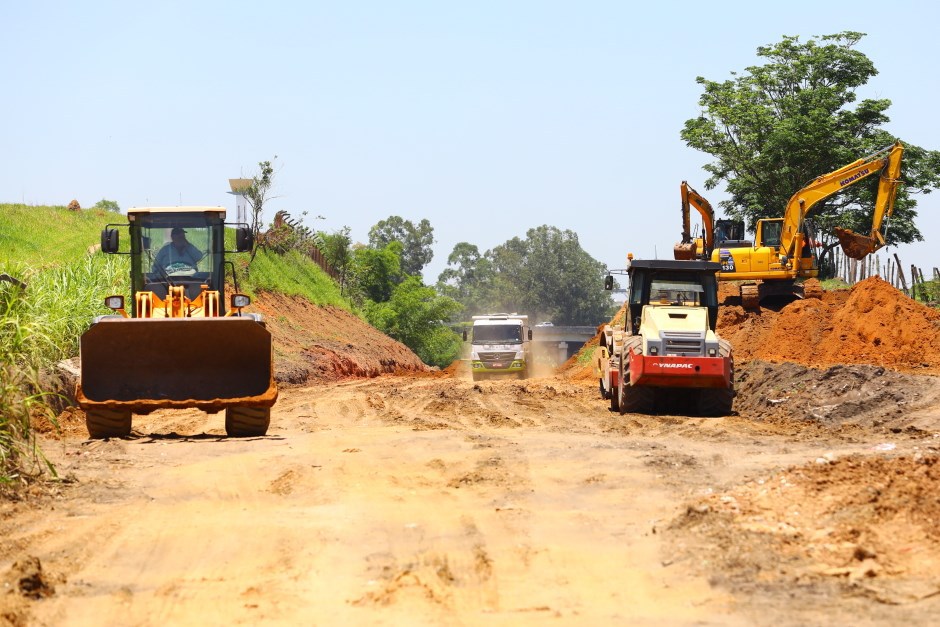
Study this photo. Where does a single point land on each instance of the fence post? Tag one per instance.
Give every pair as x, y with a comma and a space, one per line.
900, 273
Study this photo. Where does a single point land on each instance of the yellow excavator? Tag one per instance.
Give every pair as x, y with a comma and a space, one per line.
782, 252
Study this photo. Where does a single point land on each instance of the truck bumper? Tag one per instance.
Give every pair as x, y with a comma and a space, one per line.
680, 372
513, 368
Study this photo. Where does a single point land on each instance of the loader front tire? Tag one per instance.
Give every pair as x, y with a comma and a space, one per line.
108, 423
247, 422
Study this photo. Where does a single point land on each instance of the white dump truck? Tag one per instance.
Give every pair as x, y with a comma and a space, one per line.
500, 346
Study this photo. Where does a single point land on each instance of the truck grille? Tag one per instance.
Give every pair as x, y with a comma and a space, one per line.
684, 343
497, 360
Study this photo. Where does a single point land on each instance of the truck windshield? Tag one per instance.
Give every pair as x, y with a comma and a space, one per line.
497, 334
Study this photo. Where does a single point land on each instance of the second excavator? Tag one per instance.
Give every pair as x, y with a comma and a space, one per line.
781, 254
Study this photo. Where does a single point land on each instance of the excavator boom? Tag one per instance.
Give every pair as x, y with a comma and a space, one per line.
687, 248
886, 161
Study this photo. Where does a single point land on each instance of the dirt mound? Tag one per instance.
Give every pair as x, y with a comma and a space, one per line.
314, 343
873, 323
869, 396
867, 523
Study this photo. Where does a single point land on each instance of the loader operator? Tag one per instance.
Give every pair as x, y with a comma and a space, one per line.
178, 251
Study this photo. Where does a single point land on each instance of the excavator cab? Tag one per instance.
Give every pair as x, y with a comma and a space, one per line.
730, 234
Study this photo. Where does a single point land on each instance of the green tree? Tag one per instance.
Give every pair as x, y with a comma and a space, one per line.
547, 274
337, 248
775, 127
416, 316
376, 272
416, 241
107, 205
258, 193
467, 277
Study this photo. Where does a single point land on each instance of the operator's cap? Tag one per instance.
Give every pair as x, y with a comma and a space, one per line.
177, 231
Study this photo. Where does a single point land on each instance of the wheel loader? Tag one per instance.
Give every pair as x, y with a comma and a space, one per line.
178, 342
667, 356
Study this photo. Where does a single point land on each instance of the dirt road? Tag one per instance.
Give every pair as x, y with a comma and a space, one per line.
420, 499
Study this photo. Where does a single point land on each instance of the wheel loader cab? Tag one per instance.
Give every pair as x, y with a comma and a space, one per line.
177, 249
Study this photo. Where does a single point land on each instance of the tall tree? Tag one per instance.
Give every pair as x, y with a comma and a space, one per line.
777, 126
337, 248
416, 241
467, 277
377, 271
547, 274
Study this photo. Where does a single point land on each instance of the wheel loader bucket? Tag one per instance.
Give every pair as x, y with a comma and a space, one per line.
854, 245
144, 364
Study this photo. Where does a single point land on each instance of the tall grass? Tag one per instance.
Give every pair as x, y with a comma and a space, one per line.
39, 326
292, 274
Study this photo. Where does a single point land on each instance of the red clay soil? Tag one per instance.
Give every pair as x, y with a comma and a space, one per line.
314, 343
873, 323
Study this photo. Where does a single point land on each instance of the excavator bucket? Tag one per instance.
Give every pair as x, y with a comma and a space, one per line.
855, 245
683, 251
138, 365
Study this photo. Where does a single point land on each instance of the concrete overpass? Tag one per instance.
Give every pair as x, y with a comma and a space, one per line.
558, 343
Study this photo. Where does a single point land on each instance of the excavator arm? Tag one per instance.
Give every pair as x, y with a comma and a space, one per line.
856, 245
886, 161
686, 248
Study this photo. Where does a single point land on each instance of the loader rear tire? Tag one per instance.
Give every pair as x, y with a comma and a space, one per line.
715, 401
637, 399
247, 422
108, 423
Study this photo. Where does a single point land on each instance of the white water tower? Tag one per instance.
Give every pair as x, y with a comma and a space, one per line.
239, 187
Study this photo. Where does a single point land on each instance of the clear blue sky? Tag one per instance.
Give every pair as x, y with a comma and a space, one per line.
487, 118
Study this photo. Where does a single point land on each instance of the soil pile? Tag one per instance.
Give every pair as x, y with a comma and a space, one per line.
314, 343
873, 323
864, 522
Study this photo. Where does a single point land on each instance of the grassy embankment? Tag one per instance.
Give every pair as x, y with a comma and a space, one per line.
48, 249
